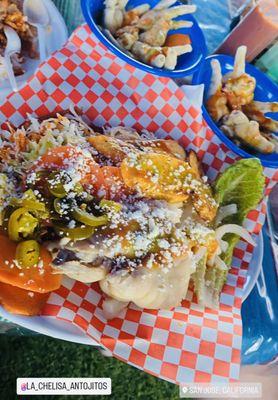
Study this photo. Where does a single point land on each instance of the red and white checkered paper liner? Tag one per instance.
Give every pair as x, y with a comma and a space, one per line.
188, 343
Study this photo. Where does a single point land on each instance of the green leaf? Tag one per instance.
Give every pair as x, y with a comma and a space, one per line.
242, 184
215, 278
232, 240
199, 279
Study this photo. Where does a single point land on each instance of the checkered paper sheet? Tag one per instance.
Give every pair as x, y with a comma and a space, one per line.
189, 343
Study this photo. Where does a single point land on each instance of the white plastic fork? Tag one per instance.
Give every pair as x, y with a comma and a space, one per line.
37, 16
13, 46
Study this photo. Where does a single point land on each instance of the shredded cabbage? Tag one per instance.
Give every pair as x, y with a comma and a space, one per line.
236, 229
224, 212
54, 132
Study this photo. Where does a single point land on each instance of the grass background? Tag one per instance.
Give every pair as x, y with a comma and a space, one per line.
40, 356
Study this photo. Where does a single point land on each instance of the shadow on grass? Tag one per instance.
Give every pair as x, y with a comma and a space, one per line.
40, 356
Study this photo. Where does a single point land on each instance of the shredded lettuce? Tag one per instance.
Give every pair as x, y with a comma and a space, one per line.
242, 184
215, 278
7, 189
208, 282
69, 132
35, 150
199, 279
3, 193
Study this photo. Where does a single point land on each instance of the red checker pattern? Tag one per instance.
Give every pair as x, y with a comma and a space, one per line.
86, 74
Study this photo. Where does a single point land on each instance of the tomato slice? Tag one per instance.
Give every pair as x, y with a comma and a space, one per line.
100, 181
20, 301
114, 183
57, 157
41, 280
64, 157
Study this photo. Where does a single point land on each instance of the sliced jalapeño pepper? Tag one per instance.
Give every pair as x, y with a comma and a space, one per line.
21, 222
30, 202
77, 233
56, 184
61, 206
78, 188
110, 204
89, 219
27, 253
85, 197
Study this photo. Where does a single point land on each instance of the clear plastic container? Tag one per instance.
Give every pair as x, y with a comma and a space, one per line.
268, 62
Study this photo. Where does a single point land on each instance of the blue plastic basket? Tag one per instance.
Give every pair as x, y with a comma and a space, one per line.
266, 90
187, 63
